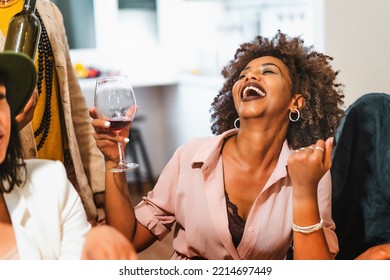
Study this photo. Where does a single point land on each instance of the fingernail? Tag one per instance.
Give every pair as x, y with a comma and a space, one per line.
126, 140
107, 124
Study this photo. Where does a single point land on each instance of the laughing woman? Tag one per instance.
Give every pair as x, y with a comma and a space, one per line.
262, 184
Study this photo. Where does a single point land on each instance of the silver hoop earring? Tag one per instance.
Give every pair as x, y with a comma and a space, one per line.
297, 118
235, 123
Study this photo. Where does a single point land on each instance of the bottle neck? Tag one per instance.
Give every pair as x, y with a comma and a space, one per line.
29, 5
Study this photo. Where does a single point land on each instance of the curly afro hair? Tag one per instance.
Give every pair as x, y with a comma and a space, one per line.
311, 75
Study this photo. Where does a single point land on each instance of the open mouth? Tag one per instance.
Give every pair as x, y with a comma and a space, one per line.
252, 91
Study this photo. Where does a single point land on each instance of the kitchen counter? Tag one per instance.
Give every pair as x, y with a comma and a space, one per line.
88, 85
156, 80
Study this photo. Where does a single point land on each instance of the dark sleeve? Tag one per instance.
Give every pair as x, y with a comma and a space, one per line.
361, 176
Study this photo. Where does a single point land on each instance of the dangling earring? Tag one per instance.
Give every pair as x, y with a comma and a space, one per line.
297, 118
235, 123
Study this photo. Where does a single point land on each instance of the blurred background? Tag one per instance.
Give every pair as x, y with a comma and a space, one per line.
174, 50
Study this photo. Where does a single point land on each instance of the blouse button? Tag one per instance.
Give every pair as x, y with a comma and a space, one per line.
251, 229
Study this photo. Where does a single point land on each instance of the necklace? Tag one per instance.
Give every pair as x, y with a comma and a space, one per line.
45, 72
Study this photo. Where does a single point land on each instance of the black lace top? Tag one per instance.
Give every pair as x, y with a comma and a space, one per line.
236, 223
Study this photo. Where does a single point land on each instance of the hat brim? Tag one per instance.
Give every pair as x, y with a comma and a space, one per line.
20, 77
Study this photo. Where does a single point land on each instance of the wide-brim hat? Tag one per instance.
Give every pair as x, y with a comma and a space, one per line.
19, 74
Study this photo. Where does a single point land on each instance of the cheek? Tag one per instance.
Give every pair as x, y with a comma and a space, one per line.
6, 123
235, 91
283, 90
8, 126
4, 141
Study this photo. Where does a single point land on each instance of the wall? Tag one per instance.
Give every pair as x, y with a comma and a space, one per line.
188, 33
152, 126
202, 36
357, 36
187, 113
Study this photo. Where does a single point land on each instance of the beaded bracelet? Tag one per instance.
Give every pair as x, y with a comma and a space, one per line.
307, 229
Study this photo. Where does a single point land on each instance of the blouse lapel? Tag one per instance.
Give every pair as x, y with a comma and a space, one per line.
214, 189
217, 205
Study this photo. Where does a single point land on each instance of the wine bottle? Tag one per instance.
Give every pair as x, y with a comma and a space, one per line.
24, 31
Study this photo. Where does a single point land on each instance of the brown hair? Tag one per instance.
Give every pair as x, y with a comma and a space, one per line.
311, 75
13, 168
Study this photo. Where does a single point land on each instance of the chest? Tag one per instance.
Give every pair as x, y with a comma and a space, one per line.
244, 185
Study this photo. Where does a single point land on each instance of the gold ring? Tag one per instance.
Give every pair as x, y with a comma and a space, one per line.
319, 148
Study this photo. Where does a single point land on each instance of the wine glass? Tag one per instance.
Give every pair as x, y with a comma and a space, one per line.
115, 101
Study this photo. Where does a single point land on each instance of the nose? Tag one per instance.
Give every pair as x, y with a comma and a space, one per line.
252, 75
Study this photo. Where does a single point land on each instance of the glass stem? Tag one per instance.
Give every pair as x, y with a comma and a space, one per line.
121, 153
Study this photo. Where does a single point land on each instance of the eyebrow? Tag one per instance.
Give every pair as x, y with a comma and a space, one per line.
263, 65
271, 64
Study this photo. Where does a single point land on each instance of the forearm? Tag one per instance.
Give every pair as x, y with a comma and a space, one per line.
118, 206
379, 252
311, 245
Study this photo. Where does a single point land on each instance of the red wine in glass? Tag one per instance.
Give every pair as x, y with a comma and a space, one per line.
115, 101
119, 123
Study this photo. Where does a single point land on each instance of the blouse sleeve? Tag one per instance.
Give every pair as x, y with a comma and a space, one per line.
325, 204
156, 211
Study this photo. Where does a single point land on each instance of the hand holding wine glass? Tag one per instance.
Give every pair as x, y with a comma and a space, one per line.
115, 102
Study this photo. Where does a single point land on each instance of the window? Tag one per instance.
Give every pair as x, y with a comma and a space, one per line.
137, 4
79, 22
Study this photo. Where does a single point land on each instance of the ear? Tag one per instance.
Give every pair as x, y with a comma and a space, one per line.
297, 102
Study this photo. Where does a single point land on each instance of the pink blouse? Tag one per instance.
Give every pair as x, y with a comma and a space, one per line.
190, 195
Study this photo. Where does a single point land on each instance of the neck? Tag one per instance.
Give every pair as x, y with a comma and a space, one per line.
4, 214
259, 143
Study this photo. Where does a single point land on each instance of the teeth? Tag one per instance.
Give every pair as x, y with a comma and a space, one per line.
257, 90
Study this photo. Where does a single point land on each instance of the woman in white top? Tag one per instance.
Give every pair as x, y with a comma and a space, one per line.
41, 214
36, 198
